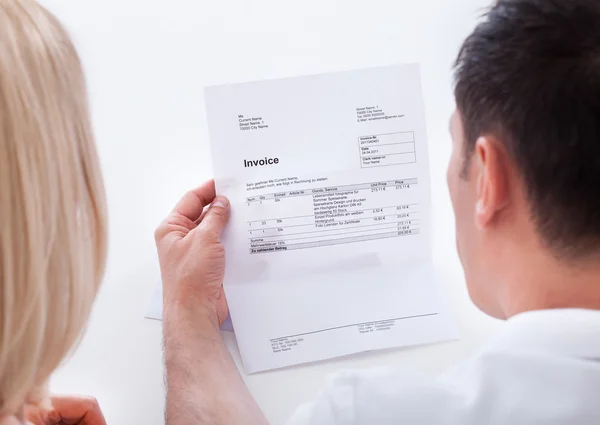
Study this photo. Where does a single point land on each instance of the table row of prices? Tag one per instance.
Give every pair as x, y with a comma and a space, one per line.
331, 216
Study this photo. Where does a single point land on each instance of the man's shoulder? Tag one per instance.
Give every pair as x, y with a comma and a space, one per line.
378, 397
496, 386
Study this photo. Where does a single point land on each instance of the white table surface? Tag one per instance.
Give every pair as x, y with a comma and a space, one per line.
147, 62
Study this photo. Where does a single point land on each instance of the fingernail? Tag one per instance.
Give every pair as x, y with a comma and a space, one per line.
220, 202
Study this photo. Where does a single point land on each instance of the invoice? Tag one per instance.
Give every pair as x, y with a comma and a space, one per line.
328, 248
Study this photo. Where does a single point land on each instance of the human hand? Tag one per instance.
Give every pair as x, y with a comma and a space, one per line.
67, 411
192, 258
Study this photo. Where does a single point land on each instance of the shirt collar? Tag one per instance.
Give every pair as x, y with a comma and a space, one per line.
567, 332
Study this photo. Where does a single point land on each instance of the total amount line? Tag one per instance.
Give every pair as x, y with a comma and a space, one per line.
331, 242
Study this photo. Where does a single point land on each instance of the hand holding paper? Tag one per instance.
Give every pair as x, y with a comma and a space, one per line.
191, 256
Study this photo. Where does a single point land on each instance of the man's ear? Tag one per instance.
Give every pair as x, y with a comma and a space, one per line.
491, 173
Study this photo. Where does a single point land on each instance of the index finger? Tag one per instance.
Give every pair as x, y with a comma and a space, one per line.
192, 204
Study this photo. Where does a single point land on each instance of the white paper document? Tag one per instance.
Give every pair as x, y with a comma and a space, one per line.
328, 245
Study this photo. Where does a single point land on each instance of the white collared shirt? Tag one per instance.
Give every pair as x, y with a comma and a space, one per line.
544, 368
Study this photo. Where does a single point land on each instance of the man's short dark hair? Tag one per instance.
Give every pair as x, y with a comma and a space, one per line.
530, 75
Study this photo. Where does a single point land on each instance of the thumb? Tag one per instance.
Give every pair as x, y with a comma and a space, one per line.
216, 217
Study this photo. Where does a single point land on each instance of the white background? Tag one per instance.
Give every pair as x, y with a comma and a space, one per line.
147, 62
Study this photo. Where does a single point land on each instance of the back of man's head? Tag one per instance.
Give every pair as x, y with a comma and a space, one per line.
529, 77
531, 73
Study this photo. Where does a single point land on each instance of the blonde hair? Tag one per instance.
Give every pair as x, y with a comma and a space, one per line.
52, 205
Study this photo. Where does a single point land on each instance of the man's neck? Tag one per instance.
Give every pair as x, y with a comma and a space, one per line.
540, 282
